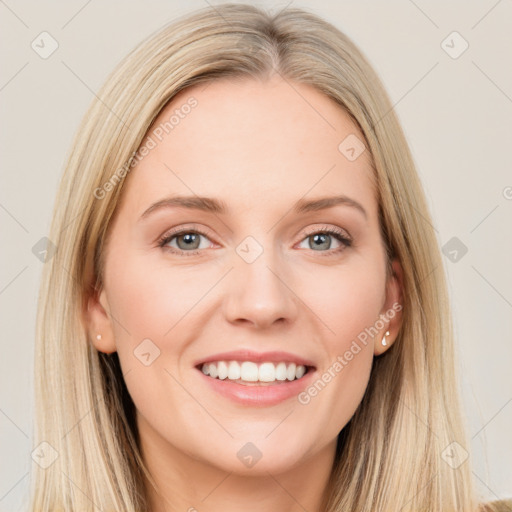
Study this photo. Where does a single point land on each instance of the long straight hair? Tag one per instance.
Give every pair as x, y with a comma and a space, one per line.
390, 455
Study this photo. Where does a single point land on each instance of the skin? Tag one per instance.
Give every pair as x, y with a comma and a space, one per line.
259, 147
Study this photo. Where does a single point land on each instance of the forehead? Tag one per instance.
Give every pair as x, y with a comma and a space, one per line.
253, 144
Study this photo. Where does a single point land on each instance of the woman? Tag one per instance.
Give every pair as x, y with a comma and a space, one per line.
247, 306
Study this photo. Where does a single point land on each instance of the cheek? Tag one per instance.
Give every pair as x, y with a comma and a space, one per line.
348, 310
347, 300
148, 306
357, 303
155, 309
148, 301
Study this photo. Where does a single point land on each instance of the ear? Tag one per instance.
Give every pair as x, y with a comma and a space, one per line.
99, 323
391, 313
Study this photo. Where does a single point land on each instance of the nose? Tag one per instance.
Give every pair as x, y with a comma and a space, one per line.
260, 293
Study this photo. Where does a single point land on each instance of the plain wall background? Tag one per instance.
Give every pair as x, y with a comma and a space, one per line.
457, 116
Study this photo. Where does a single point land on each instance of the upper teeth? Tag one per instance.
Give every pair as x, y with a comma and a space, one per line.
253, 372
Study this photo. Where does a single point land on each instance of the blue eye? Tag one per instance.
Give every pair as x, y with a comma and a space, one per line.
319, 240
188, 241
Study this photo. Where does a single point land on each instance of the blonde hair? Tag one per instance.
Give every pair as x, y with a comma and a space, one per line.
389, 456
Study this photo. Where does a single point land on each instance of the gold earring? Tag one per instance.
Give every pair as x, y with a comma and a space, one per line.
384, 342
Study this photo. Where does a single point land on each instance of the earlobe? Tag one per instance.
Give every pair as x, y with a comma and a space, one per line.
99, 324
391, 313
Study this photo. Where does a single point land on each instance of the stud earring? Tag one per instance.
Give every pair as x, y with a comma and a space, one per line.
384, 342
98, 337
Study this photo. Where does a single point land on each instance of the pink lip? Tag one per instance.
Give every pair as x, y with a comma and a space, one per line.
257, 357
259, 395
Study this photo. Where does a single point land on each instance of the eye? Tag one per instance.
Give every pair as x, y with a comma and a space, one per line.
320, 239
184, 242
187, 241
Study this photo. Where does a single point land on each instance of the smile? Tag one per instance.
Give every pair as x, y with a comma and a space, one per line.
249, 372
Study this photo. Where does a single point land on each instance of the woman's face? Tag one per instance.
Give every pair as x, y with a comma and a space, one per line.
264, 265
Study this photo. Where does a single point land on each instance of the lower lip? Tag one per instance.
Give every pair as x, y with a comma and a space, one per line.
259, 395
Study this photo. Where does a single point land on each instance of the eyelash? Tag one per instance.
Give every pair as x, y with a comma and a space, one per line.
336, 233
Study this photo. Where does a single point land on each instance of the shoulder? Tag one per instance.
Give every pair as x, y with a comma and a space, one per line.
496, 506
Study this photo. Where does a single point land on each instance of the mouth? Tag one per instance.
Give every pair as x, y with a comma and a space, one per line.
252, 384
252, 373
255, 379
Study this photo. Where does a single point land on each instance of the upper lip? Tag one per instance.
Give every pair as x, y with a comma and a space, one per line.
257, 357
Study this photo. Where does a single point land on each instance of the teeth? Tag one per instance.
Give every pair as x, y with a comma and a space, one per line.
233, 371
252, 372
222, 369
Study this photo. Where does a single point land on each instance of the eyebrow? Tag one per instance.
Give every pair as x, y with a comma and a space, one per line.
208, 204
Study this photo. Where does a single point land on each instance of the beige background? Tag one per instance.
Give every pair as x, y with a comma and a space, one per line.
457, 115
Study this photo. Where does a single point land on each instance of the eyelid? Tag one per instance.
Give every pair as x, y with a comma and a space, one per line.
171, 233
326, 227
339, 233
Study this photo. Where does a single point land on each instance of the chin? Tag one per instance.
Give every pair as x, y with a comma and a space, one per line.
258, 458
